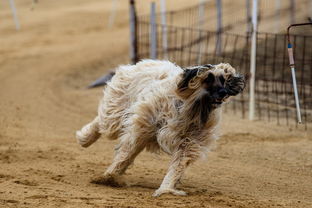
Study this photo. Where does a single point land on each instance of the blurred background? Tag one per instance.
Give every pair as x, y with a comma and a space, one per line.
50, 51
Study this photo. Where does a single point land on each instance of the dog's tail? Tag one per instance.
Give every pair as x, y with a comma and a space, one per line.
89, 133
102, 80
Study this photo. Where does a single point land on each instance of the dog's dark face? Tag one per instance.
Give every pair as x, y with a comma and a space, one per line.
215, 89
209, 86
220, 87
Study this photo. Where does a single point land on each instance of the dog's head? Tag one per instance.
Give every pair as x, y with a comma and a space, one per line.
212, 83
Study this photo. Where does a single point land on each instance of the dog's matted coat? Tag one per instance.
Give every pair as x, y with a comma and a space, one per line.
158, 106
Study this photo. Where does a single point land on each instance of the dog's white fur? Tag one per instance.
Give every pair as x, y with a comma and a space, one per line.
143, 108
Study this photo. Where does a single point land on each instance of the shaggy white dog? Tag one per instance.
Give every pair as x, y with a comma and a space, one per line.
157, 105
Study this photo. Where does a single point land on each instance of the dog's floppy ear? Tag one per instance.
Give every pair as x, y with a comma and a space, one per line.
235, 84
209, 80
183, 89
187, 76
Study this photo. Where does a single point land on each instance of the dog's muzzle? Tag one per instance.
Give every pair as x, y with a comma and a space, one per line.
235, 85
220, 96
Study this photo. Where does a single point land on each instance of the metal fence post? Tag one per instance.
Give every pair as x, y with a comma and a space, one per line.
310, 10
133, 33
111, 18
201, 14
201, 18
164, 28
14, 12
292, 67
219, 26
153, 32
277, 15
248, 18
253, 60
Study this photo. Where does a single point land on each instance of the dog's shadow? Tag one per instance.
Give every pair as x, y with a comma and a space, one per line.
120, 183
146, 184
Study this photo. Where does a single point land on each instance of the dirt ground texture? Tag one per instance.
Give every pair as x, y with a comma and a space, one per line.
44, 68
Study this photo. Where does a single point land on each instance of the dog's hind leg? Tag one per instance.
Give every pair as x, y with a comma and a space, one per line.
181, 159
124, 156
89, 133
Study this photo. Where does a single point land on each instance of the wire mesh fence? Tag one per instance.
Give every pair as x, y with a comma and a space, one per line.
274, 93
274, 15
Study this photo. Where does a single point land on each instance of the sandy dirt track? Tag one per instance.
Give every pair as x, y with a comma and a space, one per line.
44, 68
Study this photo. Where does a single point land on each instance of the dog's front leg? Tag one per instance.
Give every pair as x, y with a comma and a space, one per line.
179, 163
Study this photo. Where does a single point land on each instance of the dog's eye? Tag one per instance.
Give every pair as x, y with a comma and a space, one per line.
222, 80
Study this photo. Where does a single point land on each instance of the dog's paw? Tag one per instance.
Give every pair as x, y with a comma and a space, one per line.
161, 191
109, 181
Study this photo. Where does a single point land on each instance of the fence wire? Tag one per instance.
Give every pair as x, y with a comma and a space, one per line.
272, 16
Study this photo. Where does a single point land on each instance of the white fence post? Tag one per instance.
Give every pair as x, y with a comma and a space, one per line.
253, 60
293, 74
201, 18
14, 12
153, 32
277, 15
310, 9
201, 14
164, 28
248, 18
219, 26
111, 18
